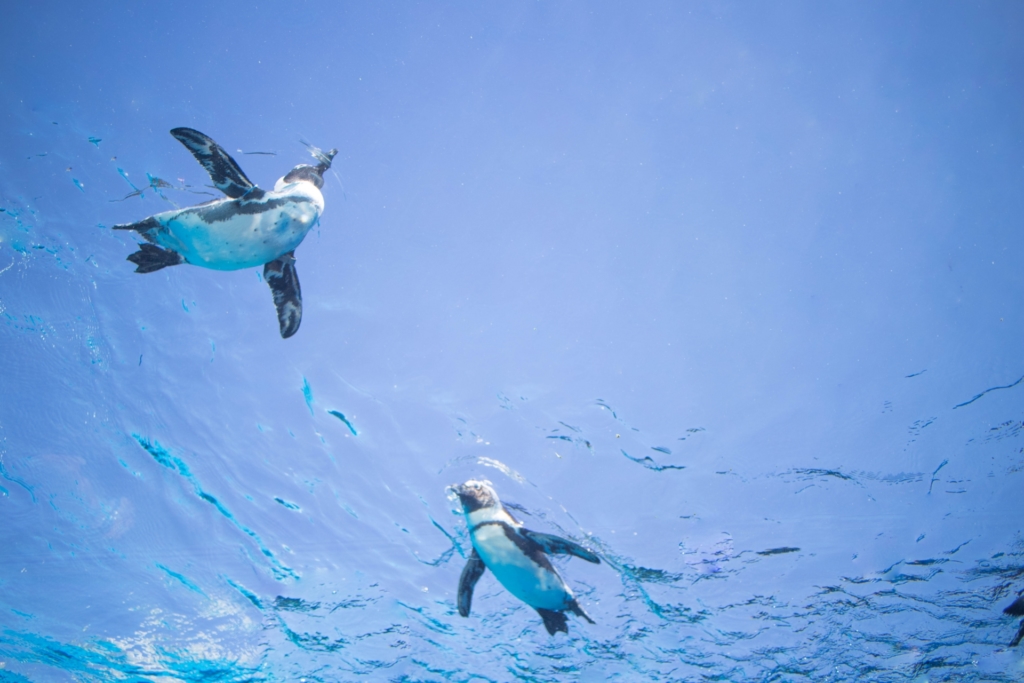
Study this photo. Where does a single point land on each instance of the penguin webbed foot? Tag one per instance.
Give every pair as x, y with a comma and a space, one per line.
1020, 635
553, 621
150, 258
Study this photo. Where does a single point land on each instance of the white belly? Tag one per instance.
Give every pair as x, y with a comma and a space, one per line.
231, 234
522, 578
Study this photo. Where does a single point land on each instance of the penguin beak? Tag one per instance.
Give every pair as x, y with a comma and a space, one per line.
325, 160
463, 494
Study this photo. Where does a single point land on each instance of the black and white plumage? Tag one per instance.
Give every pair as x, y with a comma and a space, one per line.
284, 283
226, 174
250, 227
517, 557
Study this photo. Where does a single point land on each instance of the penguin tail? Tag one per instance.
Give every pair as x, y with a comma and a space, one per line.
139, 227
150, 258
553, 621
575, 608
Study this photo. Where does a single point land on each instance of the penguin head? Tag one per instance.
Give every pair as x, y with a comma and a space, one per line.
308, 174
475, 495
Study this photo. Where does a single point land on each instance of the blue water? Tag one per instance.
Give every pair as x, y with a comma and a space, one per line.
729, 294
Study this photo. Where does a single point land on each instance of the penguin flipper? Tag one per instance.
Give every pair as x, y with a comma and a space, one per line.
225, 172
553, 621
471, 573
150, 258
556, 545
280, 274
1016, 608
575, 608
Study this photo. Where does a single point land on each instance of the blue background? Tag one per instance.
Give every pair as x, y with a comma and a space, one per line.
687, 283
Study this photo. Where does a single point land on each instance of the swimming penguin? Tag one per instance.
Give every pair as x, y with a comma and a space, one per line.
251, 227
517, 558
